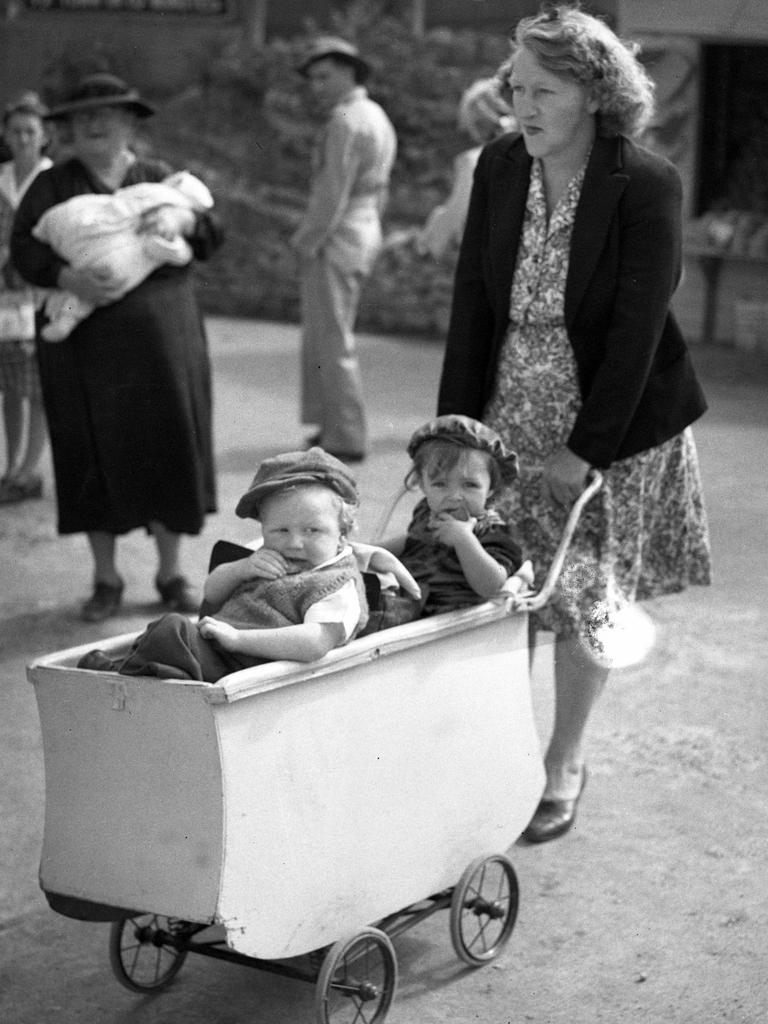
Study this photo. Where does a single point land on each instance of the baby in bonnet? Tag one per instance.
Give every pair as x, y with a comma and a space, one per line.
104, 231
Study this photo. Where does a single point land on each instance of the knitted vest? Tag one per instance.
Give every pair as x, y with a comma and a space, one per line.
267, 604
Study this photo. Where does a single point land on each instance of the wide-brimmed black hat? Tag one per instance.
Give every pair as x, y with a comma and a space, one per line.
334, 46
101, 90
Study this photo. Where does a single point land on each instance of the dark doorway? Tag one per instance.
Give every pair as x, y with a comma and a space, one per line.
733, 141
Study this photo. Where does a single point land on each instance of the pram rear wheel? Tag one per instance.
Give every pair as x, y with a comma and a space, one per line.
142, 953
357, 981
484, 909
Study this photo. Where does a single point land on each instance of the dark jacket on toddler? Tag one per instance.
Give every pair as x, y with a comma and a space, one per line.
436, 567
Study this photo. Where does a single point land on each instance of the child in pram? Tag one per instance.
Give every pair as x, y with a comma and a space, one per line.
299, 602
457, 547
298, 596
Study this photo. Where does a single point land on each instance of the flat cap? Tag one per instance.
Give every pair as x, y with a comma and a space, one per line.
294, 469
469, 433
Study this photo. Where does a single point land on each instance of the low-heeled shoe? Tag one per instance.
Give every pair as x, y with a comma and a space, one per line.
177, 595
316, 441
20, 490
554, 818
103, 602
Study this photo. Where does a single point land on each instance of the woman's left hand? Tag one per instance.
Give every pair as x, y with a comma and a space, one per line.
564, 477
167, 221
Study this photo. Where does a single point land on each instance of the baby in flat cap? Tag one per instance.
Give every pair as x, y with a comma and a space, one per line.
297, 597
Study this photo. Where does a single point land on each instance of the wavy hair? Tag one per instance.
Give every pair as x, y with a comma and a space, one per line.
569, 43
439, 455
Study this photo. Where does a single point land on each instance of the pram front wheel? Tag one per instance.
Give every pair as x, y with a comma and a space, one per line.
484, 909
142, 952
358, 979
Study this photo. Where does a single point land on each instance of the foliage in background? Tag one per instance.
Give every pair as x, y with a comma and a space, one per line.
243, 127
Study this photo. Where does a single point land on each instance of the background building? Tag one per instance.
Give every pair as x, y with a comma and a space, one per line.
710, 62
709, 59
162, 41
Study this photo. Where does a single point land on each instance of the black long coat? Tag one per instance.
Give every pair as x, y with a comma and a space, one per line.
128, 393
638, 386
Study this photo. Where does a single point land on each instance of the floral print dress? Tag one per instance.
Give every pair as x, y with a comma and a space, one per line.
645, 532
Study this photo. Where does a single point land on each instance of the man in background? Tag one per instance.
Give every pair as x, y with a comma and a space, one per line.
339, 239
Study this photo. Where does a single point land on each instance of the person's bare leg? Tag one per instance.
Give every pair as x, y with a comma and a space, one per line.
103, 546
168, 547
37, 436
107, 583
175, 591
579, 681
13, 422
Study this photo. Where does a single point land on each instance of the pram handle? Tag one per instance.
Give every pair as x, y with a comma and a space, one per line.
533, 602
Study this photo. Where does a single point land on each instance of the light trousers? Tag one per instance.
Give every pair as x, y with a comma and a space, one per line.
331, 385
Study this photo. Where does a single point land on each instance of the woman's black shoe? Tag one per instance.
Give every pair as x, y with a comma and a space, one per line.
554, 818
103, 602
177, 595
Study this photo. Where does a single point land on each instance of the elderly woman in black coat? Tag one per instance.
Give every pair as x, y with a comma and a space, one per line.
561, 339
128, 393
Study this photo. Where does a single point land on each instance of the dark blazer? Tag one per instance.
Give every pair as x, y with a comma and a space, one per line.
638, 386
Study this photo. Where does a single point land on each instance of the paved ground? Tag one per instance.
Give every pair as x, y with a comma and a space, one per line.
654, 909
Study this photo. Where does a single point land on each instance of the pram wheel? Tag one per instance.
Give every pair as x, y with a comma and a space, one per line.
358, 979
484, 909
142, 953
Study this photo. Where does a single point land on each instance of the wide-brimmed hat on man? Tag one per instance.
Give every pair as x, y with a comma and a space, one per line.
101, 89
334, 46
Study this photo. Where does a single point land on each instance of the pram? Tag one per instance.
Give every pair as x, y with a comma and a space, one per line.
298, 817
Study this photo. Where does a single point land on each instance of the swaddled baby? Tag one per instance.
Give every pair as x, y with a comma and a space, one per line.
103, 232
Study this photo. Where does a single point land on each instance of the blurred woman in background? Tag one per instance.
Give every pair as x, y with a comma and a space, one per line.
482, 116
23, 415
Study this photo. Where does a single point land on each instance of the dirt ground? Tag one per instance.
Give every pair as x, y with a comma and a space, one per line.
653, 909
